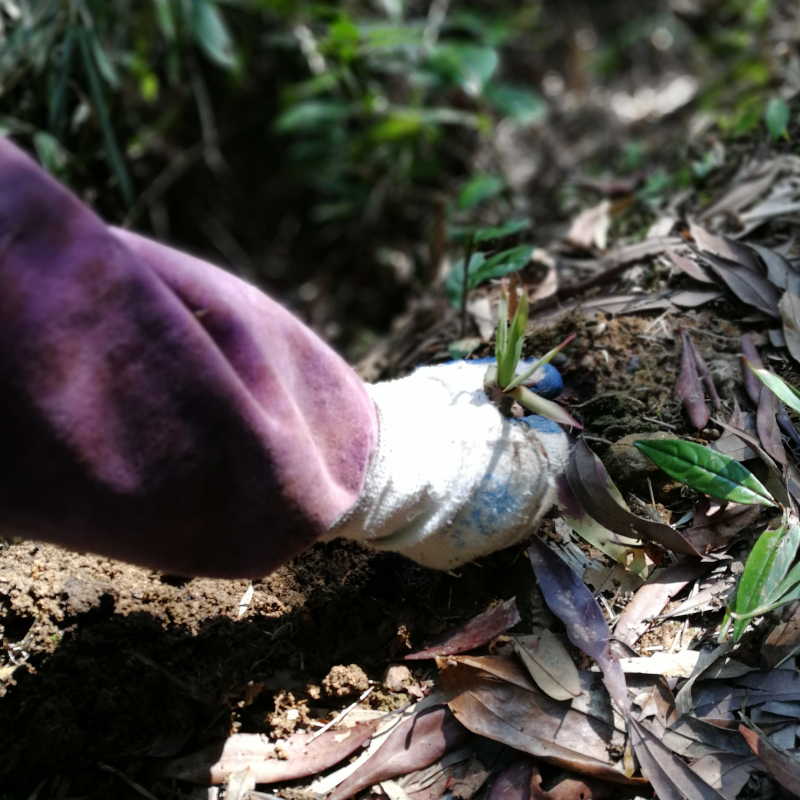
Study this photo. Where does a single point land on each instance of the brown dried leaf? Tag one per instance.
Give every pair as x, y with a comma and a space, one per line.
588, 487
704, 373
571, 788
689, 266
669, 776
415, 743
477, 632
782, 765
213, 764
712, 531
752, 384
572, 602
651, 599
590, 228
726, 772
789, 307
530, 721
688, 387
767, 426
746, 284
784, 638
549, 664
779, 269
723, 247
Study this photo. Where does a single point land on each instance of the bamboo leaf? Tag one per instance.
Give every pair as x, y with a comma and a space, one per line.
706, 471
778, 386
544, 408
211, 33
766, 567
113, 154
545, 359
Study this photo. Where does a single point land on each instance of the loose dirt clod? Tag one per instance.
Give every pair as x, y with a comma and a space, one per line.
344, 681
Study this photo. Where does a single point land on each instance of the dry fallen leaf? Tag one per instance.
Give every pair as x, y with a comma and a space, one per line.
783, 766
415, 743
478, 631
590, 228
528, 720
549, 664
213, 763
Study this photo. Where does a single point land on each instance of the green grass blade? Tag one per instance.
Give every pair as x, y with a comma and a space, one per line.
502, 326
513, 350
113, 153
59, 96
778, 386
706, 471
766, 567
545, 359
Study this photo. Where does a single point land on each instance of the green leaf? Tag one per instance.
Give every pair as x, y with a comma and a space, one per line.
544, 408
506, 367
501, 231
104, 66
777, 118
398, 125
59, 97
211, 32
166, 22
778, 386
766, 567
455, 280
311, 114
502, 328
520, 104
545, 359
478, 190
503, 263
469, 65
112, 151
706, 471
51, 154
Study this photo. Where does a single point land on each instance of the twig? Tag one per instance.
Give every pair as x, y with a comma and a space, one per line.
597, 439
465, 283
341, 716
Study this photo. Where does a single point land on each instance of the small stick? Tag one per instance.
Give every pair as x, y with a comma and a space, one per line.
341, 716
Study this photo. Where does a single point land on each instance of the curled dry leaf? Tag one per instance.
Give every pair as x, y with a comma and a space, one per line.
711, 531
571, 601
688, 387
651, 599
587, 485
549, 664
703, 372
782, 765
477, 632
528, 720
414, 744
751, 383
590, 228
214, 763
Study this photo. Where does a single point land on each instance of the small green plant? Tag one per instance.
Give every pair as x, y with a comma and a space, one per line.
769, 580
502, 382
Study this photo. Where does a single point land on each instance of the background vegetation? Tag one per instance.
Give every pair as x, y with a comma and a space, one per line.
333, 151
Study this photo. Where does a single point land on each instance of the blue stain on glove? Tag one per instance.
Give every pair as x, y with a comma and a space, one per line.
546, 381
538, 424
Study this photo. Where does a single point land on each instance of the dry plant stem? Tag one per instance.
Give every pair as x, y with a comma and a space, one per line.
465, 284
339, 717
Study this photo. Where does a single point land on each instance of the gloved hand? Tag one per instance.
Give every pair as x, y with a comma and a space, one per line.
451, 479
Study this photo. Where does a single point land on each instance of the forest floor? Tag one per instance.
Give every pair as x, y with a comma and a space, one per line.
110, 671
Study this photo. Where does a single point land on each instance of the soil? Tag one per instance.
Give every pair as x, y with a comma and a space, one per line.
112, 670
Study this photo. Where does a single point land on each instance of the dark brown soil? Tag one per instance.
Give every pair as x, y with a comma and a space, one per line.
124, 668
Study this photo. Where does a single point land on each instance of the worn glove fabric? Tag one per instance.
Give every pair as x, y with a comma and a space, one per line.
451, 479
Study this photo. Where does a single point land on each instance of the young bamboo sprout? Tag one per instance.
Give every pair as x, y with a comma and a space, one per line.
501, 382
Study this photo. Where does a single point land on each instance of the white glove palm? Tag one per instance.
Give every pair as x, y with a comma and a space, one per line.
451, 479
